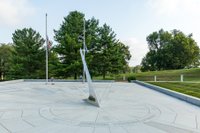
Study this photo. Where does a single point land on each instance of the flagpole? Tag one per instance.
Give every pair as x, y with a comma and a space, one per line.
84, 48
46, 51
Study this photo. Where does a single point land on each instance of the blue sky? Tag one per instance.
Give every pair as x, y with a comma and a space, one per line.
132, 20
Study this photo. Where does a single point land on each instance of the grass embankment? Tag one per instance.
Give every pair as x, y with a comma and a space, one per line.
169, 75
192, 89
190, 86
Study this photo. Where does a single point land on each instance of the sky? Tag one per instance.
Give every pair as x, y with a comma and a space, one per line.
131, 20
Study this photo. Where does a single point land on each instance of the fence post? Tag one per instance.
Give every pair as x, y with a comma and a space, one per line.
155, 78
124, 78
181, 77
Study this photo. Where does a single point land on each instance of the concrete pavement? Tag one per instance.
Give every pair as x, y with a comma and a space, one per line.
33, 107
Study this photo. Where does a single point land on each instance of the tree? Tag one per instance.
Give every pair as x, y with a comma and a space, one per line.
173, 50
5, 59
111, 55
92, 30
104, 47
29, 54
136, 69
69, 45
53, 63
105, 54
120, 55
185, 50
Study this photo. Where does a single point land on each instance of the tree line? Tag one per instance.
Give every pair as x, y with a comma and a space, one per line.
25, 57
106, 55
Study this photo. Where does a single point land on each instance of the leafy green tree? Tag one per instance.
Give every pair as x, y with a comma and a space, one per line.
5, 60
29, 54
136, 69
173, 50
149, 62
185, 50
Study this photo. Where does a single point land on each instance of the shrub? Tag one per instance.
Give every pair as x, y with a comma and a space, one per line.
131, 77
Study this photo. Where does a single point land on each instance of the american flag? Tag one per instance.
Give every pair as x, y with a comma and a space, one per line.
49, 43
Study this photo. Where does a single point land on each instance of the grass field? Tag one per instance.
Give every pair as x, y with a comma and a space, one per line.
191, 87
169, 75
188, 88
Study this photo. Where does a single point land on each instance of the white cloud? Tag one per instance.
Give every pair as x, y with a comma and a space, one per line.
174, 7
13, 12
138, 50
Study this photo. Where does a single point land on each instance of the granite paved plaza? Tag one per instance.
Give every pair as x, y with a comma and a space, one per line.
33, 107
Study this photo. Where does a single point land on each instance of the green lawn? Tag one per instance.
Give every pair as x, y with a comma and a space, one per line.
169, 75
192, 89
192, 76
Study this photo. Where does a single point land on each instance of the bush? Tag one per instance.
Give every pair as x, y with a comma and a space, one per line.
131, 77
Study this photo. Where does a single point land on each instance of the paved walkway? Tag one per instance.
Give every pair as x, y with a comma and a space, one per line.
33, 107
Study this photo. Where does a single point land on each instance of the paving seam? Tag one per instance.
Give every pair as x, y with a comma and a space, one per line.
196, 122
5, 128
95, 123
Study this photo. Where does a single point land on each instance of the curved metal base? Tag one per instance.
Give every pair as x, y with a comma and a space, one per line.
91, 101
